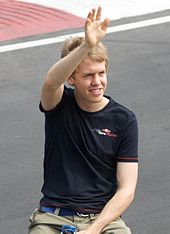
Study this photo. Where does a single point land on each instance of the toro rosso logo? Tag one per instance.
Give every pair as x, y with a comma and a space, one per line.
105, 132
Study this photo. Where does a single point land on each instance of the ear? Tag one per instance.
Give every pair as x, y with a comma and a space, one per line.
71, 80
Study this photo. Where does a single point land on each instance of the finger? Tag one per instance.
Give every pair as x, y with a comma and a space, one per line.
87, 23
89, 18
99, 11
93, 14
105, 24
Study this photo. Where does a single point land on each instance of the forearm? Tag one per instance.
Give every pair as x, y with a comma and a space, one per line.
113, 209
63, 69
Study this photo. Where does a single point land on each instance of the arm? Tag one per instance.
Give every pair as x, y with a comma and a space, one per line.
127, 174
52, 89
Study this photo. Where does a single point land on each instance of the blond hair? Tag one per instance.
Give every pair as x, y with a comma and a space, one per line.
98, 53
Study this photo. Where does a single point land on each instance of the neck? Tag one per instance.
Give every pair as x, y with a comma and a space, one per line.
93, 107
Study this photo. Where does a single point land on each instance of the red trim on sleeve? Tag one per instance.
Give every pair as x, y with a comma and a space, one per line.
127, 159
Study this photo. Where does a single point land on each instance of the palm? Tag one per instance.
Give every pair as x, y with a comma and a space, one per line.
95, 30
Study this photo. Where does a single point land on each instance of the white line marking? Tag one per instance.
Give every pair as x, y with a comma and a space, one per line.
119, 28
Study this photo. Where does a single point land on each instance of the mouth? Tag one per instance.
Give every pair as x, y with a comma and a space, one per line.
95, 91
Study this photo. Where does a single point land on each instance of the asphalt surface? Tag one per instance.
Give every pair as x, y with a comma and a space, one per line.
138, 78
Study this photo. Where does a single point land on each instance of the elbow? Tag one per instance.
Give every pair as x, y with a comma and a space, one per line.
129, 195
50, 83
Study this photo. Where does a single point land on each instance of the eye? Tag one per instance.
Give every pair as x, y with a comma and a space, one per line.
102, 73
88, 76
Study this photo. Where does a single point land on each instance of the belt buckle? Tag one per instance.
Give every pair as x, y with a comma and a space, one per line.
66, 229
82, 215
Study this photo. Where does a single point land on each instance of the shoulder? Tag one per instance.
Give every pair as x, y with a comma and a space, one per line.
120, 112
67, 99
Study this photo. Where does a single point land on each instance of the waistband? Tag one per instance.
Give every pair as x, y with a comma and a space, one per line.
62, 211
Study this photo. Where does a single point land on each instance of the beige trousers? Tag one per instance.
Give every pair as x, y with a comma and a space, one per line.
47, 223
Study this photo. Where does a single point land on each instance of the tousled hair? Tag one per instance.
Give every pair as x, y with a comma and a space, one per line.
98, 53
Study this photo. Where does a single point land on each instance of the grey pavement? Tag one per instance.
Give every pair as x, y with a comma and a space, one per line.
138, 78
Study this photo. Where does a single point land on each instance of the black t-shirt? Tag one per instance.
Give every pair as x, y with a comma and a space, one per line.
82, 150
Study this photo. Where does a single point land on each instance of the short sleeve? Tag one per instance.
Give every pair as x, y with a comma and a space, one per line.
67, 94
128, 149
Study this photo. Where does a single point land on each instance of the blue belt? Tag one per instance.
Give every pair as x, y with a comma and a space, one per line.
62, 211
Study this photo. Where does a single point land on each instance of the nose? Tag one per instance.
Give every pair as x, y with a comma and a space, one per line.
95, 80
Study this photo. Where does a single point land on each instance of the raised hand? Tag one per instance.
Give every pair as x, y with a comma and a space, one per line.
95, 30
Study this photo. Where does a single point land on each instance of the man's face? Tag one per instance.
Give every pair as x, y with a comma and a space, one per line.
90, 82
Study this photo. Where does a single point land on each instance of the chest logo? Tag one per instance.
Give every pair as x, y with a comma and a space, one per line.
105, 132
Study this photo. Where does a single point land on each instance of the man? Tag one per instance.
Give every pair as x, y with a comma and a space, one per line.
90, 165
